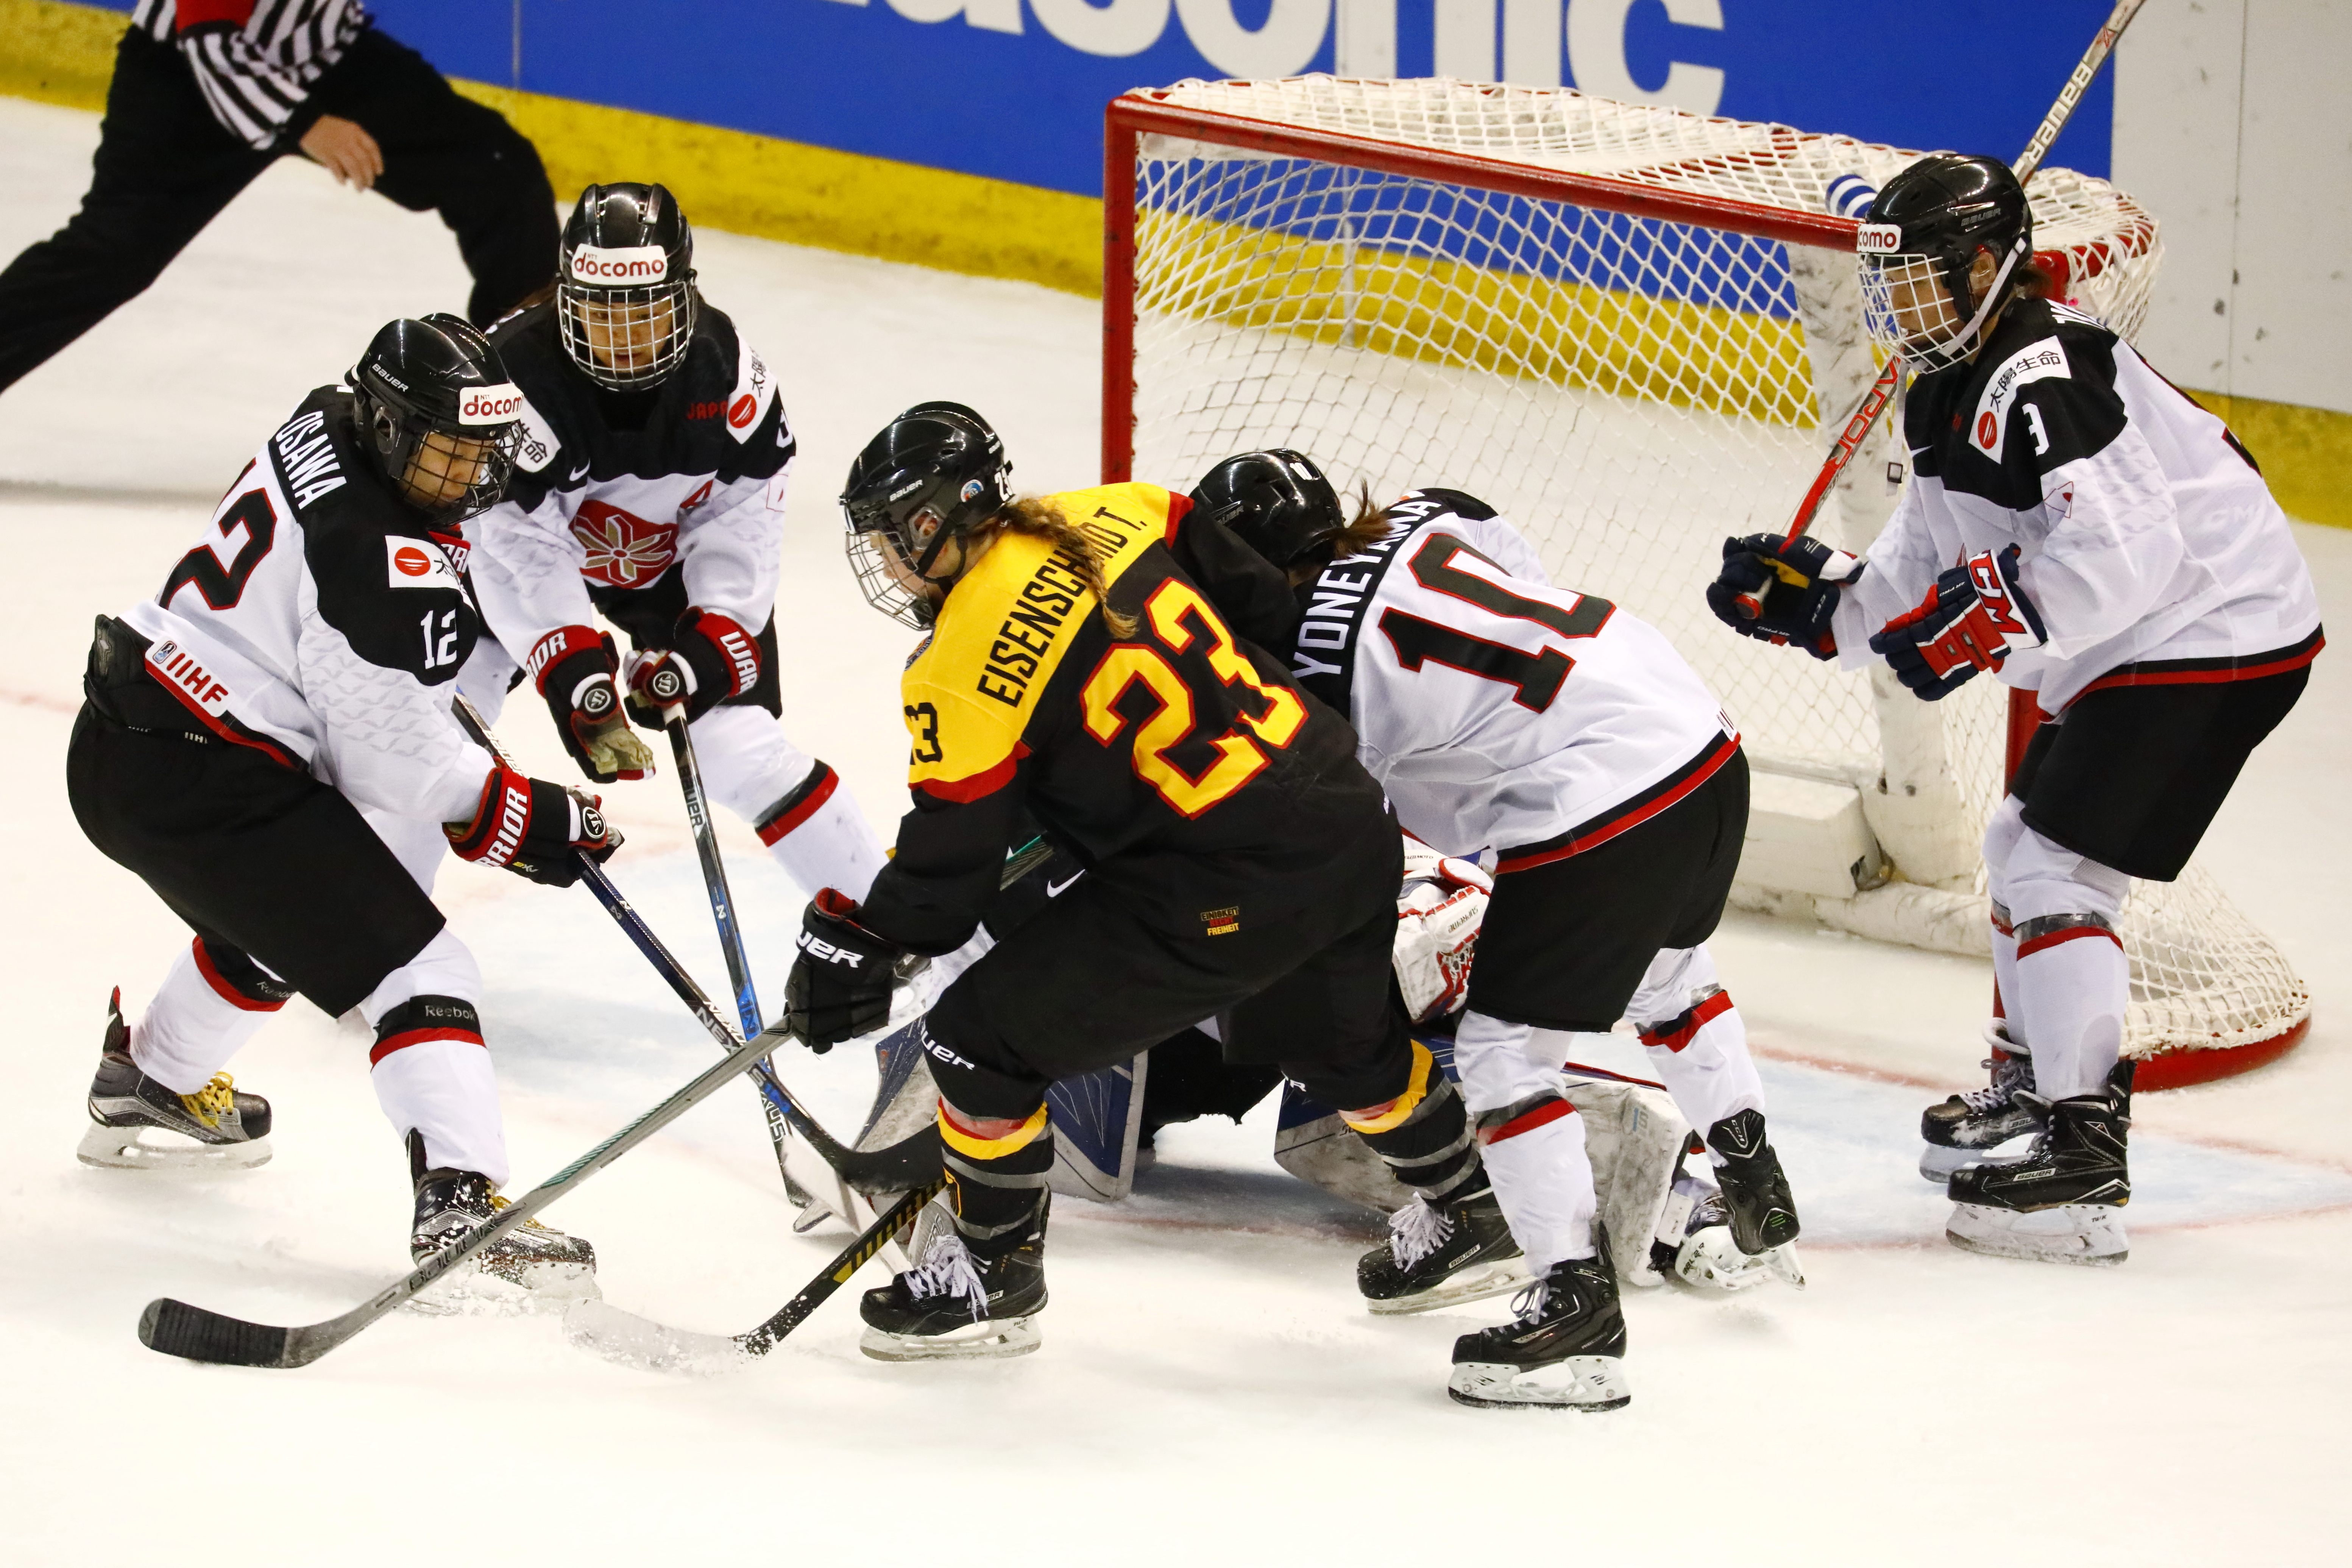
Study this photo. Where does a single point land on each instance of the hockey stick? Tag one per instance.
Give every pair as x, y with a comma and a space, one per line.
1881, 391
196, 1334
632, 1341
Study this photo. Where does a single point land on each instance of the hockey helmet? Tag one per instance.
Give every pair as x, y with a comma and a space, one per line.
624, 289
931, 475
1917, 244
438, 415
1278, 501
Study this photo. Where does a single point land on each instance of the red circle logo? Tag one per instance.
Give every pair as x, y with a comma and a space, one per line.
412, 562
739, 412
1987, 430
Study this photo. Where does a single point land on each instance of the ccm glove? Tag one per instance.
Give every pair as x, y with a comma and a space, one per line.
711, 658
575, 667
841, 984
1974, 616
534, 828
1800, 579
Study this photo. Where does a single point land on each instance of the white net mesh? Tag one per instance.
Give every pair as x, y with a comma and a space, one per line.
1628, 390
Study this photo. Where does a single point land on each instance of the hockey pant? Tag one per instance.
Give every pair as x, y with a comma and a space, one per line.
2064, 979
796, 803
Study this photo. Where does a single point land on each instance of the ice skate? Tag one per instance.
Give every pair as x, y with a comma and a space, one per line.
1439, 1256
1969, 1125
1755, 1189
530, 1263
1563, 1350
2080, 1159
956, 1305
137, 1124
1709, 1259
2087, 1235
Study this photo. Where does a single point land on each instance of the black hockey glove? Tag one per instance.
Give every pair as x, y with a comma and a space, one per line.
841, 984
534, 828
575, 667
711, 658
1974, 616
1800, 581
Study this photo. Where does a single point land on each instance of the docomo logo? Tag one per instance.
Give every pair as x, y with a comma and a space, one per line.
1879, 239
622, 264
500, 405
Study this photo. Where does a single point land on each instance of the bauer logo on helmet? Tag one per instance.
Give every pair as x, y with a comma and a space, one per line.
621, 265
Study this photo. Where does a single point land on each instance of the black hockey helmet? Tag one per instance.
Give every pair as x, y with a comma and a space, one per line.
438, 414
624, 286
1278, 501
1917, 243
933, 473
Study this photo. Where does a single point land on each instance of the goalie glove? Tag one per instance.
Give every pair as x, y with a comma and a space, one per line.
1799, 580
710, 660
534, 828
841, 984
1974, 616
1438, 910
574, 667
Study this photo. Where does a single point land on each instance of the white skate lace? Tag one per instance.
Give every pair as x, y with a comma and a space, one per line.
1415, 1231
2008, 1078
1528, 1304
947, 1269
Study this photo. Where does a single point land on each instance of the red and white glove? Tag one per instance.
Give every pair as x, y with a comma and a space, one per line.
534, 828
1438, 910
574, 668
711, 658
1974, 616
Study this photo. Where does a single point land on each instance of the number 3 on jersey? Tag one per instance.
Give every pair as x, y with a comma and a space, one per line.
1239, 757
1534, 678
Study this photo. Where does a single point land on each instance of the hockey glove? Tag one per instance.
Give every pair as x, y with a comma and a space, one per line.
710, 660
1974, 616
841, 984
1801, 580
574, 667
534, 828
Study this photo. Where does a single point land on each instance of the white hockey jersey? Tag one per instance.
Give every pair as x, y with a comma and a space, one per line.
2149, 545
614, 490
319, 621
1497, 712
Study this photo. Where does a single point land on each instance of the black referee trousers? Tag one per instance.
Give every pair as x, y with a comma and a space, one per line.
166, 168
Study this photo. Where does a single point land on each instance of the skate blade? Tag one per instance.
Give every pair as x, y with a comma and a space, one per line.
810, 1217
2082, 1235
512, 1290
127, 1149
1499, 1277
992, 1340
627, 1339
1588, 1383
1711, 1262
1938, 1163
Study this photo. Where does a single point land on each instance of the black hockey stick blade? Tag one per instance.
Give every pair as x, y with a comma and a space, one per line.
194, 1333
628, 1340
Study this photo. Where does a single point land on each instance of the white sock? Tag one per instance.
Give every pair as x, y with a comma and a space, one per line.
195, 1023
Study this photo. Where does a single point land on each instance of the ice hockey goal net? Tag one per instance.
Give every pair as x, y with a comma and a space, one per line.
1624, 327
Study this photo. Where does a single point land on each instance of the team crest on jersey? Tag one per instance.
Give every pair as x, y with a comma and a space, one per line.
625, 550
2041, 361
414, 563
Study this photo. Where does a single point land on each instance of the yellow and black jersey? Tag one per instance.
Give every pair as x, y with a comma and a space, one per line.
1182, 765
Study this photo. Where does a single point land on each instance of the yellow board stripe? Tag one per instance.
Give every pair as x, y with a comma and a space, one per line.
1423, 1067
972, 1148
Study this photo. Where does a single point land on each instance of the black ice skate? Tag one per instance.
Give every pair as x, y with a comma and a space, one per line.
1707, 1258
957, 1304
531, 1257
2057, 1204
1755, 1188
1438, 1256
1563, 1351
1968, 1126
138, 1124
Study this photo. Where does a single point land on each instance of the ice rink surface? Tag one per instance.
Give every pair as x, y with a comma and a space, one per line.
1209, 1389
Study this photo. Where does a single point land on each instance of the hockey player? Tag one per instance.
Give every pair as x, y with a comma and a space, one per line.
1568, 738
269, 744
649, 487
2085, 531
1086, 661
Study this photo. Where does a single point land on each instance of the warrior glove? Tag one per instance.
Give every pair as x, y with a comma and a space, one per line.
575, 667
1974, 616
1800, 581
841, 984
534, 828
711, 658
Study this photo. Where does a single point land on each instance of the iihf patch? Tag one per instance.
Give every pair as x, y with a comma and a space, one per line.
415, 564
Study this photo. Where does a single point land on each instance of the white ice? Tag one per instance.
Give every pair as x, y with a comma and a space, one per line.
1209, 1388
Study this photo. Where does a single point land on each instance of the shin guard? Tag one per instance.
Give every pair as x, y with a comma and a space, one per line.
1423, 1135
2073, 983
433, 1078
209, 1005
1534, 1154
997, 1186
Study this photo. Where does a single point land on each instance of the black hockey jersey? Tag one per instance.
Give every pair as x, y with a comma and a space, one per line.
1182, 765
320, 621
614, 489
2146, 535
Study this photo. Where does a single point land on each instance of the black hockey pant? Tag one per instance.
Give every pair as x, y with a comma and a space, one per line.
166, 168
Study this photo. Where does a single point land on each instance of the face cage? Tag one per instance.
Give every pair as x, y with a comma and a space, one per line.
421, 456
888, 579
1942, 333
647, 367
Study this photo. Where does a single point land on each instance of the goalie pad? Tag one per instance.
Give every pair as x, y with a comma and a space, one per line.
1098, 1120
1313, 1144
1635, 1139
